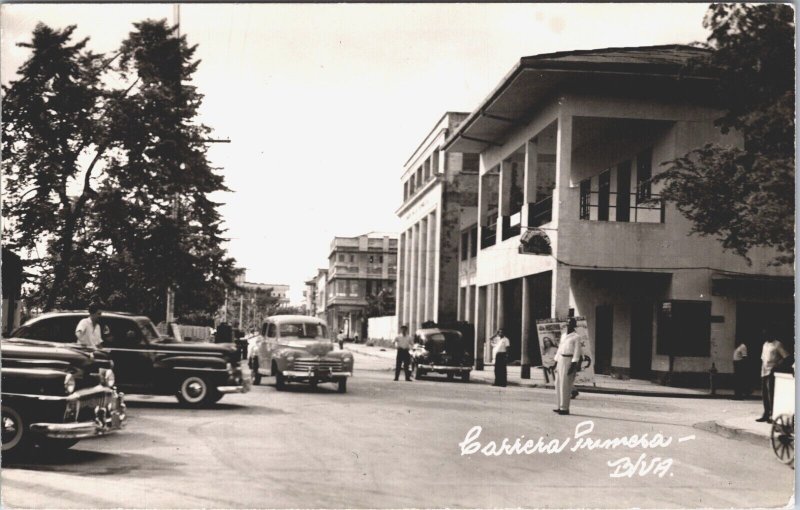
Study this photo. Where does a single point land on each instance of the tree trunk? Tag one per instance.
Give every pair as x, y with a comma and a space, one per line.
62, 266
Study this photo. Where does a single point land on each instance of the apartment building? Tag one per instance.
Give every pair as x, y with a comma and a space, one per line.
570, 223
359, 267
439, 190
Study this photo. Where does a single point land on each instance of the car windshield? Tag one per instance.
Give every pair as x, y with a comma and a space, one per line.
302, 330
149, 332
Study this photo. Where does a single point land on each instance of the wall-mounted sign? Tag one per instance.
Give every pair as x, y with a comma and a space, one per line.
535, 242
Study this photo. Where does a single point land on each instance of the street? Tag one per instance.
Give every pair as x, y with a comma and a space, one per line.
396, 444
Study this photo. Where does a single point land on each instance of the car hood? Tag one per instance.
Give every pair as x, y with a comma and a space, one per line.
313, 347
23, 353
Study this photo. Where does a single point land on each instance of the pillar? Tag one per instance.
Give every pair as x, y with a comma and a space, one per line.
560, 299
480, 327
530, 179
412, 281
432, 281
401, 275
563, 166
419, 291
524, 355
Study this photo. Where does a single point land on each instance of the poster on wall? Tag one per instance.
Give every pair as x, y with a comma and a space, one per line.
549, 332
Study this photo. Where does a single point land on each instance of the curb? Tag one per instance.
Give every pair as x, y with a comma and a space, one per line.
733, 433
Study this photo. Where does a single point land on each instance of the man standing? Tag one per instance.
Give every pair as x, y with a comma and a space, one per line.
568, 360
499, 355
340, 339
88, 330
771, 354
739, 371
403, 343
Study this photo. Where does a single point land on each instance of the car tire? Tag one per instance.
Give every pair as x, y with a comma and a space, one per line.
465, 377
342, 387
280, 381
15, 435
255, 376
193, 391
450, 376
418, 372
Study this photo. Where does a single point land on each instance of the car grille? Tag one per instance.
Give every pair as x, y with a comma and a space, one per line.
87, 405
313, 363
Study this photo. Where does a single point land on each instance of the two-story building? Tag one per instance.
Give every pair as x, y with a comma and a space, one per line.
358, 267
320, 294
439, 190
569, 221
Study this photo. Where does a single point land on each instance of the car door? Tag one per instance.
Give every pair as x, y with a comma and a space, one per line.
131, 353
269, 343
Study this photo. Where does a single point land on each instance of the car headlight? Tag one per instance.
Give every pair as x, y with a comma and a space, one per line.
69, 384
291, 356
107, 377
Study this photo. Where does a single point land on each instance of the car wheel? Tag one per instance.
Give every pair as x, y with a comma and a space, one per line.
450, 376
255, 377
418, 372
193, 391
465, 377
16, 438
342, 386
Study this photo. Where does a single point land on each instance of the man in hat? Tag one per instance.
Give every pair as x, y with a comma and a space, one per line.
568, 359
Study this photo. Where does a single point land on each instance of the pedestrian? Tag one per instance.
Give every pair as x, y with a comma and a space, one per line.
340, 339
740, 371
88, 330
568, 360
403, 342
771, 354
499, 355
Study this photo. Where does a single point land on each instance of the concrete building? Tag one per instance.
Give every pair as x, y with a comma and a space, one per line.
569, 222
358, 267
314, 295
440, 190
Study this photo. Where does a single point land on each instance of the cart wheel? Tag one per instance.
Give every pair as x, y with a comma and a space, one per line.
782, 439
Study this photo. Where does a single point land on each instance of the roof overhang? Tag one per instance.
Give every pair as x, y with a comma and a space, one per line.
534, 81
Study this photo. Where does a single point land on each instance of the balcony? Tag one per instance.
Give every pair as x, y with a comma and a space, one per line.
540, 212
597, 207
512, 225
489, 233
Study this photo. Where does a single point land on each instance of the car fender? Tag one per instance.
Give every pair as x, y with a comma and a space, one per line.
192, 362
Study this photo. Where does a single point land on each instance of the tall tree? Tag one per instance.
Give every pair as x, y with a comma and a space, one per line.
745, 196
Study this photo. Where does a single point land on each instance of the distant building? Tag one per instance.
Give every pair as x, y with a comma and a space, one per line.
321, 298
440, 193
314, 295
277, 290
358, 267
570, 223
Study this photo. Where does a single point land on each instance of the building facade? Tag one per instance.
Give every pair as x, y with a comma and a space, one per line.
569, 221
440, 190
359, 268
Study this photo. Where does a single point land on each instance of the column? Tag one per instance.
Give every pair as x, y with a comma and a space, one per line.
467, 300
401, 275
525, 359
491, 319
406, 277
412, 280
480, 327
560, 297
531, 177
563, 165
432, 281
419, 302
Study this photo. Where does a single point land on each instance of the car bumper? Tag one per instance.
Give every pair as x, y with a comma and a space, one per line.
445, 368
105, 422
238, 382
311, 374
242, 388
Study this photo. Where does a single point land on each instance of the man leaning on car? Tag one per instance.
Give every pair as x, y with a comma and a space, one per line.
88, 330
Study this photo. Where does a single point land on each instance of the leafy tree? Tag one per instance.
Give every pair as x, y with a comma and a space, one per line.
745, 196
380, 304
142, 220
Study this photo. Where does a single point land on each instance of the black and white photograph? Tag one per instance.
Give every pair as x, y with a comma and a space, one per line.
397, 255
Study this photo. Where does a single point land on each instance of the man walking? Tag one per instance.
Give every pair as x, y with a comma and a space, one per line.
739, 371
568, 360
499, 355
88, 330
403, 343
771, 354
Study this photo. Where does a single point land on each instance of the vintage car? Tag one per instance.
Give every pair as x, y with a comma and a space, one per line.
52, 397
298, 348
197, 374
440, 351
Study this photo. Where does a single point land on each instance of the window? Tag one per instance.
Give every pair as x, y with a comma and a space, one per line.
352, 258
603, 196
473, 247
380, 259
121, 332
644, 172
341, 257
372, 259
353, 288
469, 163
586, 195
271, 331
464, 245
624, 191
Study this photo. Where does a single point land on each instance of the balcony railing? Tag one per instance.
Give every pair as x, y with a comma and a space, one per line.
653, 210
489, 234
512, 225
540, 212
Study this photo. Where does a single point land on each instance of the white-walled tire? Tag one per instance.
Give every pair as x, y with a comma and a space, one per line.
193, 391
16, 438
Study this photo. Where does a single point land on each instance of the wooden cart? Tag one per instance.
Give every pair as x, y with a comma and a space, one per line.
782, 438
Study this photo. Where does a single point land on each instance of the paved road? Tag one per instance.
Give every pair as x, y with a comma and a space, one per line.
396, 444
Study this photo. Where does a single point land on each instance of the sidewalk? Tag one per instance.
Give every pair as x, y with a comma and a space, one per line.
603, 383
742, 428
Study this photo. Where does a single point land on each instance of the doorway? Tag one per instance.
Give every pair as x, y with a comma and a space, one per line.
641, 339
603, 339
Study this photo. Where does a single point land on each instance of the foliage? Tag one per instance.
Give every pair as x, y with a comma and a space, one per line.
745, 196
141, 220
380, 304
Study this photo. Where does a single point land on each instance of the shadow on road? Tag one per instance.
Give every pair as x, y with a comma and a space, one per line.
154, 404
85, 462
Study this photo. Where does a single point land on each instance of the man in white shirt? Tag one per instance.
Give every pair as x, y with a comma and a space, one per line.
499, 350
88, 330
771, 354
403, 342
568, 359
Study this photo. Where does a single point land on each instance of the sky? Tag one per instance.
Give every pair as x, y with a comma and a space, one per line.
324, 103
